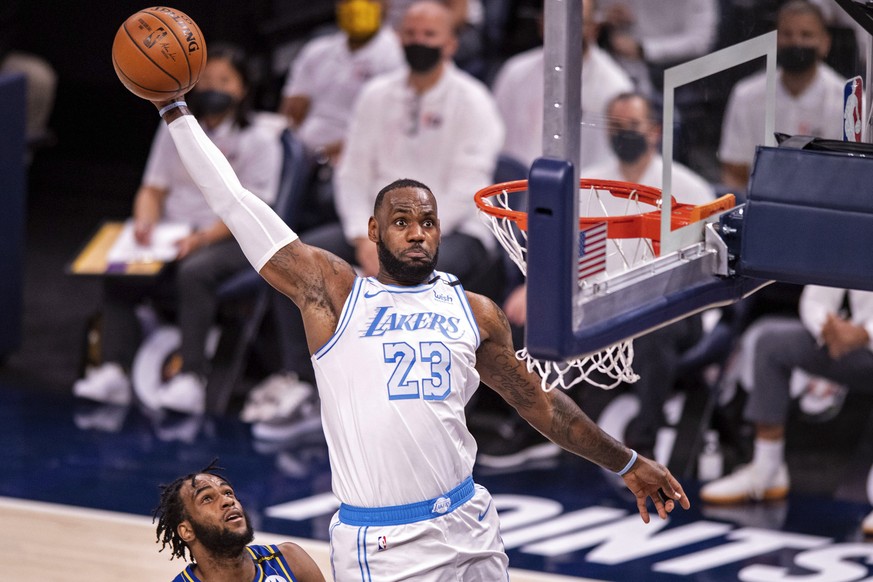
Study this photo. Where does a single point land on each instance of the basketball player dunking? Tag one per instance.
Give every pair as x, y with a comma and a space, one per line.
396, 357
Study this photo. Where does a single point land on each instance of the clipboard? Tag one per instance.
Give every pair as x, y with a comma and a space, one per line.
103, 255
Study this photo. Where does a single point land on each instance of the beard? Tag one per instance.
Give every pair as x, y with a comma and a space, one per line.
222, 543
408, 273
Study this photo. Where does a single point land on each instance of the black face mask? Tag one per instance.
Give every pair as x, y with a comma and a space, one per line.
209, 102
422, 58
796, 59
628, 145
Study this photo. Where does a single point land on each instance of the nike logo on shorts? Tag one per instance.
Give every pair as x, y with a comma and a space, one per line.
482, 515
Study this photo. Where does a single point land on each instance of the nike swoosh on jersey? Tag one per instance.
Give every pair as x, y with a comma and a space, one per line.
482, 515
368, 295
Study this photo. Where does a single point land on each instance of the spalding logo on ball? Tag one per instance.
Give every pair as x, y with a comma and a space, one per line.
159, 53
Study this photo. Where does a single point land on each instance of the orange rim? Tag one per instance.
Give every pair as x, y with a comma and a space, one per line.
644, 225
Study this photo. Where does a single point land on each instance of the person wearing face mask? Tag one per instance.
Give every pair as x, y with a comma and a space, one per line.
206, 257
429, 121
809, 94
634, 135
325, 79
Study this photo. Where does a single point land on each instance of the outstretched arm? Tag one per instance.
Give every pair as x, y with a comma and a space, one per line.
315, 280
556, 416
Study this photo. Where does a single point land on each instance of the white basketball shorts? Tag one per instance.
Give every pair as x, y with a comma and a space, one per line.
453, 537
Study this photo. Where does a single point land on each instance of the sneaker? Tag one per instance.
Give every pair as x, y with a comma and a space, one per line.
513, 448
106, 383
185, 393
867, 525
746, 484
279, 397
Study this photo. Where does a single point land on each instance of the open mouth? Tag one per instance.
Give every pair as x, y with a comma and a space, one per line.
233, 516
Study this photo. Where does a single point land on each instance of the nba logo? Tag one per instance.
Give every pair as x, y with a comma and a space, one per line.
853, 107
383, 543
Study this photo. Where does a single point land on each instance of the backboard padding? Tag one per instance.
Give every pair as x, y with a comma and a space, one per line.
809, 219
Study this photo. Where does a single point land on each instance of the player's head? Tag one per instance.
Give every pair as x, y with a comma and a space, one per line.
201, 510
633, 128
406, 230
802, 37
223, 88
428, 35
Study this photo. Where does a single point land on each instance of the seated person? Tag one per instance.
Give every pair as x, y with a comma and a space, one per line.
206, 258
327, 75
809, 93
824, 341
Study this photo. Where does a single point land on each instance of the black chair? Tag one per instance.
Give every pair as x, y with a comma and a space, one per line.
248, 289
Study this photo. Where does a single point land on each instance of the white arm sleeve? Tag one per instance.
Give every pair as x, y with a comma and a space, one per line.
259, 231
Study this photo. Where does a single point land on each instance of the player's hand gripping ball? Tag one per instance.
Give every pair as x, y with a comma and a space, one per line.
159, 53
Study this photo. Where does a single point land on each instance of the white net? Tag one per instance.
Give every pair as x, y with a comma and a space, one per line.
614, 364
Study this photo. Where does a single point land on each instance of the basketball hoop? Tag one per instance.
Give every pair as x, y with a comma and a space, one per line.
631, 216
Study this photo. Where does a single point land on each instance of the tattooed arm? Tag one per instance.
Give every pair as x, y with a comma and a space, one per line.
556, 416
317, 281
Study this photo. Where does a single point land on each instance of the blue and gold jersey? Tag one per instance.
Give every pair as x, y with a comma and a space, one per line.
270, 566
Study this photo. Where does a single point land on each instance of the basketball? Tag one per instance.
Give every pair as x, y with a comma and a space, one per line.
159, 53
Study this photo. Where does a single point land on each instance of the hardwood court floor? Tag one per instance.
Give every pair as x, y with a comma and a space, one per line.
78, 484
47, 541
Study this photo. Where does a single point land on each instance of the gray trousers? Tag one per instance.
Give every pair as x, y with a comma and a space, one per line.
185, 289
784, 345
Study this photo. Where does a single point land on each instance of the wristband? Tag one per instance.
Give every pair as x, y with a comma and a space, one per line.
172, 105
630, 464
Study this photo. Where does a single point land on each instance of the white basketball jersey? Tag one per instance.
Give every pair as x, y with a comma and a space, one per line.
393, 380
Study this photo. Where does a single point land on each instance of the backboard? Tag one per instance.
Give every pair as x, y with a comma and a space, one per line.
691, 273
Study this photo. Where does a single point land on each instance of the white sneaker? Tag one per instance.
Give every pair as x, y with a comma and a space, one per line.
106, 383
281, 396
747, 484
867, 525
185, 393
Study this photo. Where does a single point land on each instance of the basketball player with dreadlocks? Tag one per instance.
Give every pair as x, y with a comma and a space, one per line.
200, 515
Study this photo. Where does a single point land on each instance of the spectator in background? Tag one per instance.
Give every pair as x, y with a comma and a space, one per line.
634, 134
467, 20
809, 94
326, 77
646, 36
519, 87
207, 257
430, 121
825, 341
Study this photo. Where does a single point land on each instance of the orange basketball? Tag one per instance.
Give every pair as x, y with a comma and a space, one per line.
159, 53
